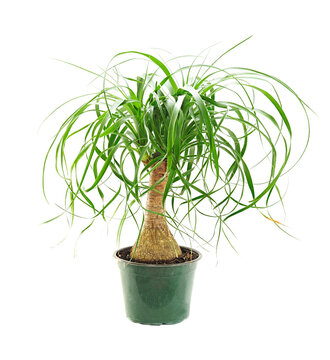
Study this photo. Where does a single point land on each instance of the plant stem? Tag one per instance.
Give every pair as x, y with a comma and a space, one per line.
156, 242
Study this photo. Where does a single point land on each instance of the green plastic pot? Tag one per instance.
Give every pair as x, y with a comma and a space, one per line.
157, 294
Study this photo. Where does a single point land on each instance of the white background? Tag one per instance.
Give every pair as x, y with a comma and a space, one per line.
270, 302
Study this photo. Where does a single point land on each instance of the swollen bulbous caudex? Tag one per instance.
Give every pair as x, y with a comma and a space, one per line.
156, 242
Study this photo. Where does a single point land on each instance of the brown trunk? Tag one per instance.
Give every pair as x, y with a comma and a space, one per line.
156, 242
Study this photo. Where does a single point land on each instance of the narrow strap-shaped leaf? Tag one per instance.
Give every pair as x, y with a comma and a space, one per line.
158, 63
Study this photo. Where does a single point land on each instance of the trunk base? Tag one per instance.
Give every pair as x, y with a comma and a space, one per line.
156, 243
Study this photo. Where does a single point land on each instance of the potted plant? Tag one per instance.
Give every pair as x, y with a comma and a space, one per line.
200, 134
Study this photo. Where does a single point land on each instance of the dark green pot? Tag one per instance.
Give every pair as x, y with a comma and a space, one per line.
157, 294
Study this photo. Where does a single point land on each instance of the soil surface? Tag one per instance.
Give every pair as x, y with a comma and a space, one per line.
187, 255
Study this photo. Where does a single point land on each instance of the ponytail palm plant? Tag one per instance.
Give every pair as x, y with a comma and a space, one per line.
174, 144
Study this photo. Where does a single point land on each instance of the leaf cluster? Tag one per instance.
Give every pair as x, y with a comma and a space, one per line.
202, 119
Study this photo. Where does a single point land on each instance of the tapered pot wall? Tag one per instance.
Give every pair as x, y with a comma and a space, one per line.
157, 294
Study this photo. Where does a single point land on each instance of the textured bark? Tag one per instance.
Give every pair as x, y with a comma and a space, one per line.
156, 241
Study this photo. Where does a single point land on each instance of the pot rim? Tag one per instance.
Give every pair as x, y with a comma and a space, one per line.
158, 265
